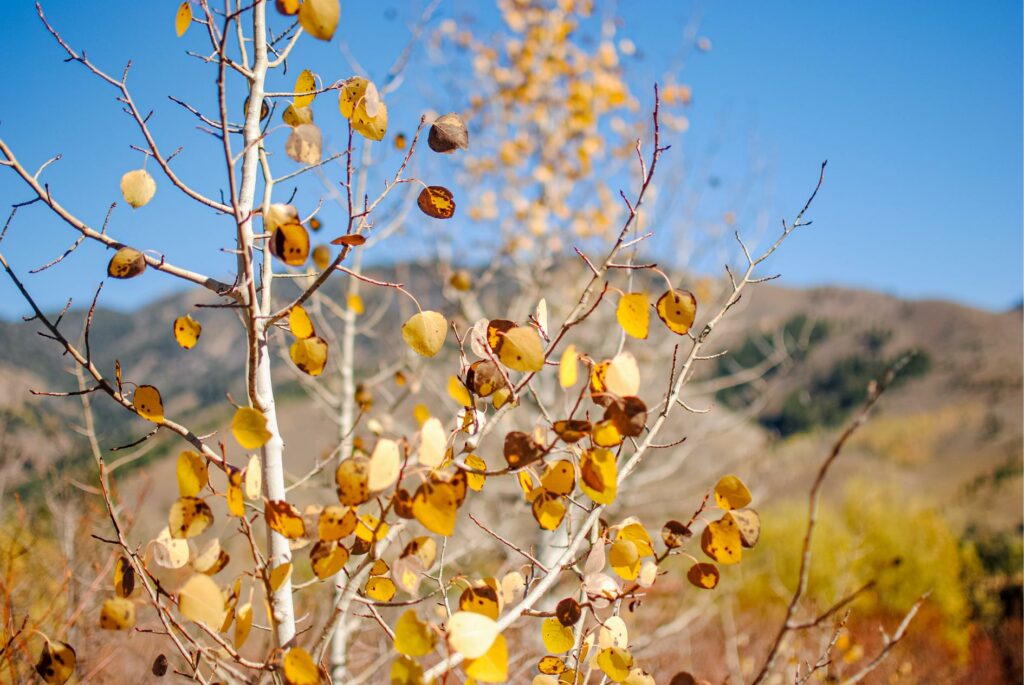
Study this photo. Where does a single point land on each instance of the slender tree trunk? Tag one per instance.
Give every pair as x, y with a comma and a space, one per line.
261, 390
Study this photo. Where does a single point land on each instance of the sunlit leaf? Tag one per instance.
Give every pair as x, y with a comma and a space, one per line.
352, 478
731, 493
193, 473
434, 506
118, 613
138, 188
285, 519
624, 559
234, 495
360, 103
634, 314
253, 479
327, 558
385, 463
305, 83
433, 443
492, 667
298, 667
458, 392
413, 637
721, 541
148, 403
481, 599
557, 638
212, 559
599, 475
189, 517
299, 323
127, 262
622, 375
200, 600
243, 624
249, 426
380, 588
183, 18
309, 355
749, 523
425, 332
320, 18
279, 575
568, 367
475, 481
519, 348
289, 242
471, 634
296, 116
677, 309
336, 522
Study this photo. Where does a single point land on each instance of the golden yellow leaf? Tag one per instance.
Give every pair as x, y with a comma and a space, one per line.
193, 473
289, 242
297, 116
279, 574
433, 443
253, 478
117, 613
200, 600
234, 495
458, 392
615, 662
471, 634
677, 309
568, 368
480, 599
425, 332
309, 355
322, 258
327, 558
249, 426
187, 331
557, 638
352, 478
599, 475
624, 559
56, 662
548, 509
243, 624
370, 529
622, 375
148, 403
731, 493
492, 666
336, 522
721, 541
138, 187
360, 103
434, 506
127, 262
300, 324
285, 519
606, 434
412, 636
298, 667
551, 665
305, 83
320, 18
355, 304
634, 314
183, 18
189, 517
380, 588
520, 349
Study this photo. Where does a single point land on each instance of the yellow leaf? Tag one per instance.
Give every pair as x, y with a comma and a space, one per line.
557, 638
187, 331
548, 509
631, 529
721, 541
243, 624
118, 613
289, 242
634, 314
599, 475
253, 478
360, 103
148, 403
568, 368
624, 559
193, 473
370, 529
297, 116
421, 414
520, 349
749, 523
492, 667
352, 478
385, 463
234, 495
481, 599
279, 574
606, 434
476, 481
212, 559
615, 663
127, 262
183, 18
298, 666
434, 506
425, 332
299, 323
731, 493
322, 258
285, 519
249, 426
201, 600
622, 376
458, 392
56, 662
336, 522
471, 634
677, 309
138, 187
355, 303
189, 517
124, 577
320, 18
305, 83
310, 355
412, 636
380, 588
327, 558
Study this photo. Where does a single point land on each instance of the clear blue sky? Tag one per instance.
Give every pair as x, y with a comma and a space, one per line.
916, 104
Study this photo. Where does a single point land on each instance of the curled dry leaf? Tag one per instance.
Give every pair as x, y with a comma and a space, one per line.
448, 133
305, 144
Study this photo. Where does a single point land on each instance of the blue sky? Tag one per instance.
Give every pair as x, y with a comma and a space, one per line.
916, 104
